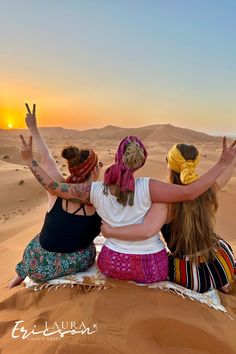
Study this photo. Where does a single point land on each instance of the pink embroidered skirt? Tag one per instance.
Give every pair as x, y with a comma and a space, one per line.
143, 268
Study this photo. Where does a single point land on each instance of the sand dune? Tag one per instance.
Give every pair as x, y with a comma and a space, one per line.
157, 132
11, 154
167, 132
20, 194
130, 319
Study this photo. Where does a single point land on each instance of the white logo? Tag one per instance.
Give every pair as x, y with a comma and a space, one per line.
59, 329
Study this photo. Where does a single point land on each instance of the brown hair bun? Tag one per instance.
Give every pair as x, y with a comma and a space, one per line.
71, 154
75, 156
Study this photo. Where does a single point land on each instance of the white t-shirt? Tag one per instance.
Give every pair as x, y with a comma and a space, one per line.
116, 214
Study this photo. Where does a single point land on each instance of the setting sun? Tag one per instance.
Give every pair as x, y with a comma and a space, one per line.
10, 125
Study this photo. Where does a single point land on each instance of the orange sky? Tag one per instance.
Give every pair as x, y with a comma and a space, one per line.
88, 64
84, 110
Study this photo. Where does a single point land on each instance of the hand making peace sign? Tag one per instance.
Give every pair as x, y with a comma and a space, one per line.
26, 149
30, 118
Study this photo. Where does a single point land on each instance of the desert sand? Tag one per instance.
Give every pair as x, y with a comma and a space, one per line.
129, 318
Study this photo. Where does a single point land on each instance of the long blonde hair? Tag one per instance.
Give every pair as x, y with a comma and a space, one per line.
192, 226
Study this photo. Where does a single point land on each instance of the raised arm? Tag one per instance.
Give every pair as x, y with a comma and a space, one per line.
79, 191
153, 221
47, 161
225, 176
170, 193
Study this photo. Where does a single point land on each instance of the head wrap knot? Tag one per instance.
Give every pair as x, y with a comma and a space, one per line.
80, 172
120, 174
186, 168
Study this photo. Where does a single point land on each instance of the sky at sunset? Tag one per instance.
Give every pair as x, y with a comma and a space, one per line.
89, 63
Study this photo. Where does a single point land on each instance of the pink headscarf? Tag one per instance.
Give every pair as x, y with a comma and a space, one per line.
120, 174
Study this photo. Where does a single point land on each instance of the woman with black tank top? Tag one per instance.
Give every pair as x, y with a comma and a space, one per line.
65, 245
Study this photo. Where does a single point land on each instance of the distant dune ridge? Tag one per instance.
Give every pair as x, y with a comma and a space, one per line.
130, 319
157, 132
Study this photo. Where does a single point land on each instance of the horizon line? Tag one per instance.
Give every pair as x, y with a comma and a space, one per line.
231, 135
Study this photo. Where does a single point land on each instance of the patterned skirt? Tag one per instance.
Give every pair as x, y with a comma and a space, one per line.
204, 276
41, 265
143, 268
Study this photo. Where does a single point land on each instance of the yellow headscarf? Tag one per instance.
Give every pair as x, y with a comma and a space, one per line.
186, 168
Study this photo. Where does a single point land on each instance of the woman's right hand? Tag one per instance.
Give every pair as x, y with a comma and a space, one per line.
106, 229
228, 153
30, 118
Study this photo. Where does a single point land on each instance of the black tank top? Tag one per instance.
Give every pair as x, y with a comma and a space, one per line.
64, 232
166, 233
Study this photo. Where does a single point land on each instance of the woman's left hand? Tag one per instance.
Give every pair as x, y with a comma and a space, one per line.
26, 149
106, 229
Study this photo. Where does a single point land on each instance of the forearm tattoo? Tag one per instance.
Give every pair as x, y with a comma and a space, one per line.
32, 167
79, 191
53, 186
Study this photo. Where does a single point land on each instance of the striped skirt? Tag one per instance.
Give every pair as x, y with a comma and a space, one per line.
204, 276
41, 265
143, 268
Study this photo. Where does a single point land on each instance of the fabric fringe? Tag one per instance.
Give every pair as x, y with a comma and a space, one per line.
81, 286
210, 298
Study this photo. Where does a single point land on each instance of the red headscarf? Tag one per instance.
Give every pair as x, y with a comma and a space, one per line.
82, 170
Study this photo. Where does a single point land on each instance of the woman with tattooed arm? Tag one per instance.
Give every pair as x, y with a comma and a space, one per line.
65, 244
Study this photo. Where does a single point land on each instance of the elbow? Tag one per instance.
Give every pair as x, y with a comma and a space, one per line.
149, 232
190, 196
51, 191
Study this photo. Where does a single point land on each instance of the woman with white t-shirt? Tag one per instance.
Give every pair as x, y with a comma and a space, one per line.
143, 261
122, 200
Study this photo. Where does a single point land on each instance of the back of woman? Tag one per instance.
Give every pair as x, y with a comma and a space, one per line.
199, 259
115, 214
122, 200
65, 245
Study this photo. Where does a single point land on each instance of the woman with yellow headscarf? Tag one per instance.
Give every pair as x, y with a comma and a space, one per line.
199, 259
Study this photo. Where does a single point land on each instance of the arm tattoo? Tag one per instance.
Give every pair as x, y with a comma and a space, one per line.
36, 174
35, 163
79, 191
64, 187
53, 185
